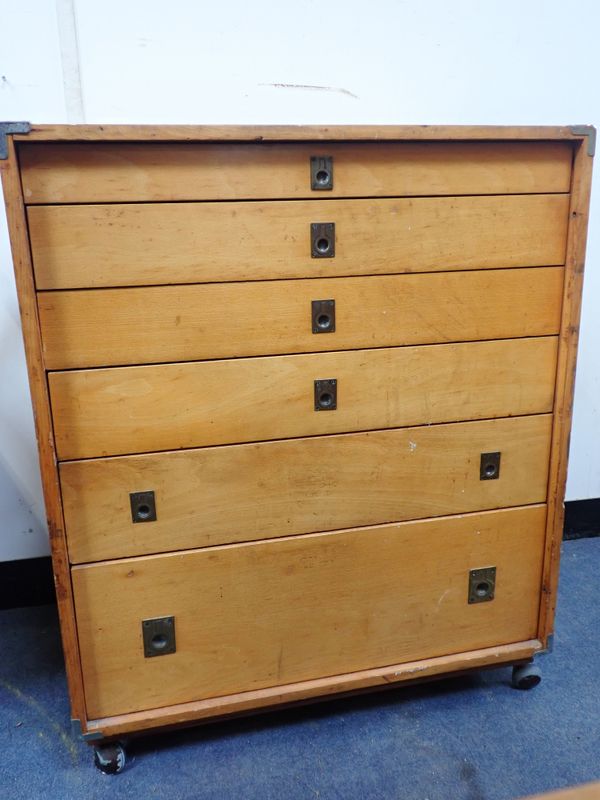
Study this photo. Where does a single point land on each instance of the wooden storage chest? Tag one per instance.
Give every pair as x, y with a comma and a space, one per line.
303, 401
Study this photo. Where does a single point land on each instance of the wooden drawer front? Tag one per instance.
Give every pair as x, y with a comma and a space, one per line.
272, 613
123, 245
88, 328
142, 409
96, 173
255, 491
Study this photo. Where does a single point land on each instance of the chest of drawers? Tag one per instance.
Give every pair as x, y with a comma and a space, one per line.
303, 402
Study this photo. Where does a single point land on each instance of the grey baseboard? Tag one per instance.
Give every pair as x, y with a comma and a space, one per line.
27, 582
582, 518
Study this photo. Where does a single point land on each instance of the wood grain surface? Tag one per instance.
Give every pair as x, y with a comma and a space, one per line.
257, 491
327, 133
144, 325
121, 410
325, 688
163, 243
272, 613
587, 791
111, 172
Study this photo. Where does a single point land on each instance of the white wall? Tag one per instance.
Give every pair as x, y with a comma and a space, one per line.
30, 88
310, 61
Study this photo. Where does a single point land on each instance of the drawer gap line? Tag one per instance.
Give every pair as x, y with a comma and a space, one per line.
310, 436
302, 353
300, 278
293, 199
356, 528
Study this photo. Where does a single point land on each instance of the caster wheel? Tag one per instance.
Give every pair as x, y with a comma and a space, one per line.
526, 676
110, 758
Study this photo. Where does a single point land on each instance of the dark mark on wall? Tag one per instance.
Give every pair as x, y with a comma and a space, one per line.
310, 88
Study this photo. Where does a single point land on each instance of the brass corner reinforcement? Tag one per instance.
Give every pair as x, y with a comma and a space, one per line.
590, 132
10, 127
87, 737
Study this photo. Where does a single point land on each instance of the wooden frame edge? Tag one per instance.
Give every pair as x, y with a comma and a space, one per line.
309, 691
249, 133
21, 254
565, 381
582, 791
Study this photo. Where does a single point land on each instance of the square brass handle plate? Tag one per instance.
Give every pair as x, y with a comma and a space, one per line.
326, 395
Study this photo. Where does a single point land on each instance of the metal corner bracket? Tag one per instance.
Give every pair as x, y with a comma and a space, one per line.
549, 646
10, 127
590, 132
87, 737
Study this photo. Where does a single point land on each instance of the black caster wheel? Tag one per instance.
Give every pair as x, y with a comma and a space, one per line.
110, 758
526, 676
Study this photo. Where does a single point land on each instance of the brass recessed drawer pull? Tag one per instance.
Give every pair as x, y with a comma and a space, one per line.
321, 173
489, 466
482, 585
322, 239
323, 316
326, 395
159, 636
143, 506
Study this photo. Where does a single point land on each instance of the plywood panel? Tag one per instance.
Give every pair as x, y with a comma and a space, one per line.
104, 172
230, 494
88, 328
276, 612
164, 243
194, 404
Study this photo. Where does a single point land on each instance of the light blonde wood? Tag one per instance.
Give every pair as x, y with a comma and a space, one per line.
311, 691
126, 172
17, 228
300, 486
88, 328
294, 609
588, 791
258, 133
565, 383
123, 410
184, 713
134, 244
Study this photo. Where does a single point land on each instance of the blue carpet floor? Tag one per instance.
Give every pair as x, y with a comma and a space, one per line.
472, 737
